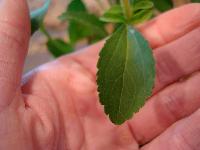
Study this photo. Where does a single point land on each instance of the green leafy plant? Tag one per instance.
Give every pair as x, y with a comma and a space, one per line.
84, 25
126, 67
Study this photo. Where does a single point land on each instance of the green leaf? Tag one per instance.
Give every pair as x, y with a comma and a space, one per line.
37, 16
114, 15
142, 11
126, 73
76, 5
87, 20
142, 16
59, 47
76, 30
163, 5
142, 4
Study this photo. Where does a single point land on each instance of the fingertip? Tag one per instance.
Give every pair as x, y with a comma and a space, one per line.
15, 13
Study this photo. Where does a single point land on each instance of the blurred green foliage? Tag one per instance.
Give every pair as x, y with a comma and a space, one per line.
84, 25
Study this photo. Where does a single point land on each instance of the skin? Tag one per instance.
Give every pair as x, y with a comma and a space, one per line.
56, 107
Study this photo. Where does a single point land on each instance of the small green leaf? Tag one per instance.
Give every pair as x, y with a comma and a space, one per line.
163, 5
76, 30
142, 4
126, 73
59, 47
87, 27
142, 11
142, 16
37, 16
76, 5
114, 15
87, 20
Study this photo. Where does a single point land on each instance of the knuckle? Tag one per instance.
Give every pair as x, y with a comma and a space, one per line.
168, 68
165, 67
170, 106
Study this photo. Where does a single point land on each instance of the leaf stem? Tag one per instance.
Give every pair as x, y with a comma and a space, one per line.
126, 8
44, 31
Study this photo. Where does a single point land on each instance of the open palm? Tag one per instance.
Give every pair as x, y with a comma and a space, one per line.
56, 107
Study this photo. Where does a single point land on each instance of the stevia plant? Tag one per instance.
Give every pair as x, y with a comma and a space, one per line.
126, 69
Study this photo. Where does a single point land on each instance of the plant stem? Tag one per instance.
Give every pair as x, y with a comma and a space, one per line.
126, 8
44, 31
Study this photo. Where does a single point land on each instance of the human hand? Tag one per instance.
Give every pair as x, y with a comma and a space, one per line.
56, 107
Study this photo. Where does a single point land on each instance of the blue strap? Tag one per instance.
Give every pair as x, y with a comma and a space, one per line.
42, 10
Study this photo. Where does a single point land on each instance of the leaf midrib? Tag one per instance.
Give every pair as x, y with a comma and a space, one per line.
117, 46
125, 65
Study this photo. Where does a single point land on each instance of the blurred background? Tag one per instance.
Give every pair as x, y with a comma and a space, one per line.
38, 53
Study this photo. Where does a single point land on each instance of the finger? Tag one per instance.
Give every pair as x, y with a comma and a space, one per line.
177, 59
175, 102
183, 135
14, 37
172, 25
161, 30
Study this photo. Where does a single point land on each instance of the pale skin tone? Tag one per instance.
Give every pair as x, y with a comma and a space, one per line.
56, 106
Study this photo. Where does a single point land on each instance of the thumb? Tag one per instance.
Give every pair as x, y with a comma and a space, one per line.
14, 38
